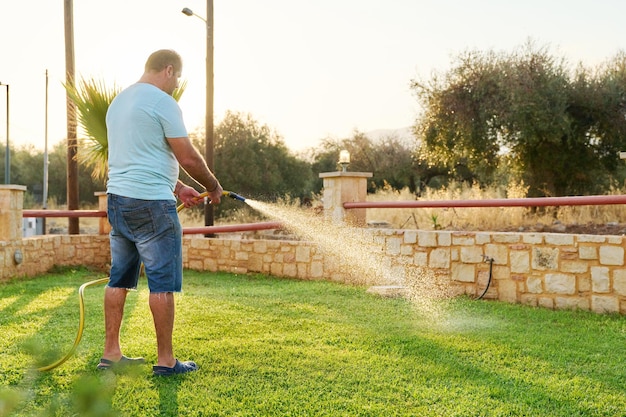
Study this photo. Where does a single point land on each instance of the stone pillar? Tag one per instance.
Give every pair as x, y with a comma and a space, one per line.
341, 187
104, 226
11, 206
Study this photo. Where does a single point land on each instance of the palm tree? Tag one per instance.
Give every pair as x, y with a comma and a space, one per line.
92, 99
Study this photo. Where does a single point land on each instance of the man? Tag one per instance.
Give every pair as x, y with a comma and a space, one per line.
147, 142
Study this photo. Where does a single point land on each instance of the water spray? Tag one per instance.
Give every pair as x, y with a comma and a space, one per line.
81, 298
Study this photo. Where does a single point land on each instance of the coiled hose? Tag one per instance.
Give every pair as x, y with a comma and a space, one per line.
81, 323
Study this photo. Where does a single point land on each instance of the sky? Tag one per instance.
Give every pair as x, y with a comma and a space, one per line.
307, 69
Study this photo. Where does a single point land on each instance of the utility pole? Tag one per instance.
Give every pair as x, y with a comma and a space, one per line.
209, 142
44, 197
72, 142
7, 155
209, 128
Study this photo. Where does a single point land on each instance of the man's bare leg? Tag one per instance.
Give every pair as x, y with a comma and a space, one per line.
114, 300
162, 307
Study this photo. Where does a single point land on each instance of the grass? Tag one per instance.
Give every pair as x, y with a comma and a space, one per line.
277, 347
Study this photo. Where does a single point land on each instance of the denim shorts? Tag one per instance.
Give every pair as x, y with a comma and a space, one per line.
148, 232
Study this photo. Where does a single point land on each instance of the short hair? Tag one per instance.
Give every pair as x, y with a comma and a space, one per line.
159, 60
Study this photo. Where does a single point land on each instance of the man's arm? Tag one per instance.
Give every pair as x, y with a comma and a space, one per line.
193, 163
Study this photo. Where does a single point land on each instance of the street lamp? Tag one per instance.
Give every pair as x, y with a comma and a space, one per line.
208, 120
7, 156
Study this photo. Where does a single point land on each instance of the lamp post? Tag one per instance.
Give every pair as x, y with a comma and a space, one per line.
7, 156
208, 121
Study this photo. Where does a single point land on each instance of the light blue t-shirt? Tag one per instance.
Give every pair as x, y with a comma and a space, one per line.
141, 162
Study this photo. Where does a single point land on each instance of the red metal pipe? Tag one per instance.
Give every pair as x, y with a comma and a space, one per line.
63, 213
186, 230
502, 202
232, 228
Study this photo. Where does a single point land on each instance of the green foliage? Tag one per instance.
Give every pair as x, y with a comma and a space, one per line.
279, 347
252, 160
526, 114
92, 99
255, 159
388, 159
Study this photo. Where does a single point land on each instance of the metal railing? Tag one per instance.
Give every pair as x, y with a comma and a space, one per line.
503, 202
595, 200
231, 228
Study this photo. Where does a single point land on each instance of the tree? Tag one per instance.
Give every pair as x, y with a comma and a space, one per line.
255, 159
388, 159
558, 132
460, 129
252, 160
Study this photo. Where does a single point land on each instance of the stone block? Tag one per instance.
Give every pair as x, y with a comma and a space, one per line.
506, 238
427, 239
483, 238
611, 255
303, 254
545, 302
600, 279
532, 238
520, 261
571, 303
591, 238
439, 258
410, 237
507, 291
420, 258
619, 281
560, 283
604, 304
559, 239
499, 253
534, 285
574, 267
587, 252
463, 239
463, 272
545, 258
471, 254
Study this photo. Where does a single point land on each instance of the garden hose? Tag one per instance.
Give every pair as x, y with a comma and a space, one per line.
230, 194
81, 298
81, 323
490, 260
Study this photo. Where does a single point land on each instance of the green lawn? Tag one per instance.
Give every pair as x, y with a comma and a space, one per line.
277, 347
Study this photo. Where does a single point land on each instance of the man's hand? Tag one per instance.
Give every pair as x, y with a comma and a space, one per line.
188, 196
216, 195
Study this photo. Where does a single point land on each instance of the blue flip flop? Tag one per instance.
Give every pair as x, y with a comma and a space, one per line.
106, 364
178, 368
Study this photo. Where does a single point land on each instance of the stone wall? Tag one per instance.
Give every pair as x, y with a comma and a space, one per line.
555, 271
39, 254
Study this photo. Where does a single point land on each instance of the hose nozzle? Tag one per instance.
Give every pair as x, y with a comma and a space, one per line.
224, 193
234, 196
